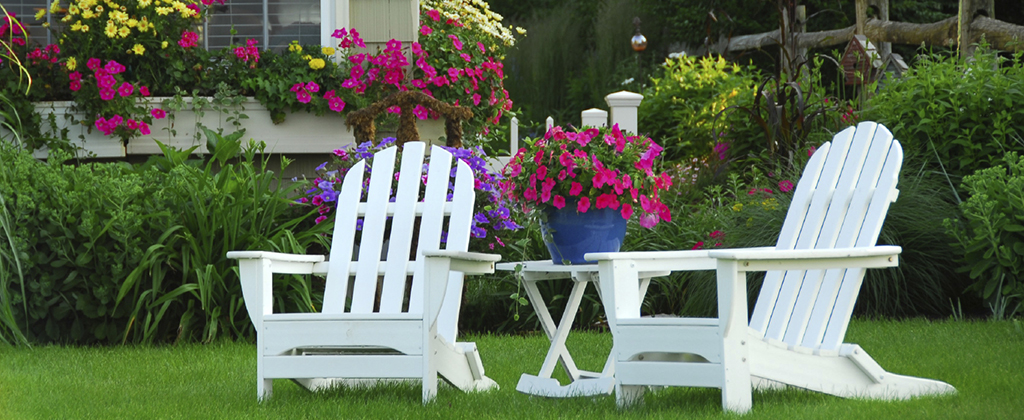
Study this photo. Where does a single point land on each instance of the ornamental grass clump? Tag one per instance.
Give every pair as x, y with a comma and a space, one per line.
589, 169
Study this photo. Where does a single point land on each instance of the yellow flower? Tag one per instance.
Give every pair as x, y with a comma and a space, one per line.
328, 51
66, 18
737, 207
119, 16
55, 6
77, 26
163, 45
307, 57
46, 24
85, 28
521, 31
99, 9
294, 47
73, 10
163, 11
132, 23
88, 14
143, 25
71, 64
138, 49
316, 63
110, 31
145, 3
40, 14
124, 32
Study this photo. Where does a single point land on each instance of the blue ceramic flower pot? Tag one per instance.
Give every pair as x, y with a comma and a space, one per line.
569, 234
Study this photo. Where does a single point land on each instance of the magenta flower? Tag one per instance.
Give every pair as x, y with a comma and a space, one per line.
698, 245
303, 96
339, 33
106, 94
158, 113
785, 186
425, 30
144, 128
648, 220
75, 85
721, 148
607, 200
144, 91
627, 211
558, 202
417, 49
583, 205
105, 80
456, 42
466, 57
188, 39
114, 67
476, 99
575, 189
312, 87
480, 45
94, 64
125, 89
434, 15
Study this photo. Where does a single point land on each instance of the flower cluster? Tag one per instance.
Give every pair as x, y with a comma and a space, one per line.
473, 14
591, 168
491, 217
150, 37
248, 52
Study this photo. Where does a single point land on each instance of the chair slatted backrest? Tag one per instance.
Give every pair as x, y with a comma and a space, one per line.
435, 221
840, 201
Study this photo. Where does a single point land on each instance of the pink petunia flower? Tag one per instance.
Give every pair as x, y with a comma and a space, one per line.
125, 89
558, 202
583, 205
158, 113
425, 30
434, 15
456, 42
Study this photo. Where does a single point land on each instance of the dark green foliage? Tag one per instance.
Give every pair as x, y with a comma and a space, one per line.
113, 253
991, 236
966, 113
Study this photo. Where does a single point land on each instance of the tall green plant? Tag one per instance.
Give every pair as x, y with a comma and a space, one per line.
991, 235
11, 273
185, 287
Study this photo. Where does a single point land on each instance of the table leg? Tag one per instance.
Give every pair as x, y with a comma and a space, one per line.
557, 334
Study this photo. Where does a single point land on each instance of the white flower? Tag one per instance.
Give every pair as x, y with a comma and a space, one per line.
627, 81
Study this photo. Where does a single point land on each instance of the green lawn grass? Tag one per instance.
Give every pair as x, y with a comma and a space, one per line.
983, 360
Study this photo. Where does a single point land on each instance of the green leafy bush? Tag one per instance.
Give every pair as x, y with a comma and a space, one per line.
113, 253
680, 107
991, 235
968, 113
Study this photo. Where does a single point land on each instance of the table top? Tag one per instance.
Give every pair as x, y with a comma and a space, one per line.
546, 269
547, 265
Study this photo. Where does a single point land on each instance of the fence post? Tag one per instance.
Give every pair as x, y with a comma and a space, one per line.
623, 107
548, 123
594, 117
513, 145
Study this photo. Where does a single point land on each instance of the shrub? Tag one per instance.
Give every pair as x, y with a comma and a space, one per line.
967, 113
111, 253
680, 106
991, 236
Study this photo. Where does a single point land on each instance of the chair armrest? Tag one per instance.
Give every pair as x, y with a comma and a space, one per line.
467, 262
256, 269
281, 263
689, 260
762, 259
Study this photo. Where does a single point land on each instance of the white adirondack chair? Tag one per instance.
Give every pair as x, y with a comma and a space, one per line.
814, 273
383, 318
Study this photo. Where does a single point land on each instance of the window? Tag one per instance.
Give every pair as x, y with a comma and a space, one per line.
25, 11
275, 23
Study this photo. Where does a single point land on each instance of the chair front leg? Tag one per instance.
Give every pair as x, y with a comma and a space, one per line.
732, 316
